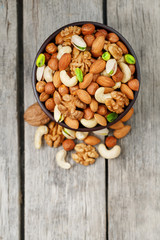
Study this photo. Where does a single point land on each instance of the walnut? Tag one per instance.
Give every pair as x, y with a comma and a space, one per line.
117, 102
54, 136
85, 154
72, 29
80, 60
115, 51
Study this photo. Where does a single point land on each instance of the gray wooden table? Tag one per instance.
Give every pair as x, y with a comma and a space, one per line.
117, 199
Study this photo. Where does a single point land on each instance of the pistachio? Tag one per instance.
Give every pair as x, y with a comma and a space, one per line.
40, 60
111, 67
40, 72
106, 56
78, 42
112, 116
57, 115
102, 132
69, 134
129, 59
79, 74
81, 135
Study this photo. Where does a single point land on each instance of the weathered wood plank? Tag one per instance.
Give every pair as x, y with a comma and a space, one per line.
134, 178
58, 204
9, 175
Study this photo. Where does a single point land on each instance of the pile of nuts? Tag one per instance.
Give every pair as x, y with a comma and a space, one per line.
85, 76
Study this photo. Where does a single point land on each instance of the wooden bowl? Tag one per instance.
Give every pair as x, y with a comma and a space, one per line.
51, 39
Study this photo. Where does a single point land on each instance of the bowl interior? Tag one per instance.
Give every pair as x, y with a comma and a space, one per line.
51, 39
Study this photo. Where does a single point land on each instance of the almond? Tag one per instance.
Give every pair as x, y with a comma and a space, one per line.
86, 81
43, 96
101, 32
92, 88
58, 39
118, 76
110, 141
100, 119
49, 88
98, 66
68, 144
117, 125
84, 96
105, 81
127, 91
133, 84
53, 64
128, 115
92, 140
108, 90
98, 44
132, 68
72, 123
57, 97
102, 110
88, 113
56, 79
89, 40
94, 105
120, 133
64, 61
112, 37
123, 47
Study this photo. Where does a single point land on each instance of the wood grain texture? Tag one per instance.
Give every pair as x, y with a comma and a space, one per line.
59, 204
9, 181
134, 178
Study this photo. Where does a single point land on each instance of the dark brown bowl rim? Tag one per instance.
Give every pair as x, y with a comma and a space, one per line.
49, 39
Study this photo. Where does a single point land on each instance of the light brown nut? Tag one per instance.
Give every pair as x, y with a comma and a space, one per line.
100, 119
98, 45
101, 32
92, 60
48, 139
58, 39
127, 91
92, 140
123, 47
84, 96
128, 115
102, 110
40, 86
132, 68
95, 76
57, 98
89, 40
50, 104
43, 96
47, 57
98, 66
56, 79
86, 81
115, 51
120, 133
88, 28
94, 105
49, 88
88, 114
112, 37
133, 84
63, 90
51, 48
117, 125
132, 77
72, 123
92, 88
64, 61
54, 55
96, 55
108, 90
110, 141
73, 90
105, 81
118, 76
68, 144
53, 64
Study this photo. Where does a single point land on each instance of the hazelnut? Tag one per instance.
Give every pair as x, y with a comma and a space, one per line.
89, 40
40, 86
88, 29
73, 90
110, 141
68, 144
88, 114
101, 32
102, 110
54, 55
57, 98
47, 57
53, 64
49, 88
112, 37
58, 39
132, 68
51, 48
92, 88
50, 104
43, 96
63, 90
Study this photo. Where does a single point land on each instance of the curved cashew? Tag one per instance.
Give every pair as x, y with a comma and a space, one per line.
88, 123
117, 85
39, 73
63, 50
58, 117
100, 96
102, 132
48, 74
81, 135
126, 72
69, 134
38, 136
66, 80
109, 154
61, 161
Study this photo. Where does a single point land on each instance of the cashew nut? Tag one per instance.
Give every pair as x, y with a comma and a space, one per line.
109, 154
126, 72
61, 159
100, 96
48, 74
38, 136
88, 123
58, 117
102, 132
104, 73
66, 80
40, 72
63, 50
81, 135
117, 85
69, 134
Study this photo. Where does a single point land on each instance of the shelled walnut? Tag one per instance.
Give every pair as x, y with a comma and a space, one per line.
72, 29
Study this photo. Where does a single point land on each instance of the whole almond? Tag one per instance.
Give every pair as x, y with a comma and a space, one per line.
88, 113
95, 76
89, 40
86, 81
98, 44
98, 66
53, 64
108, 90
117, 125
92, 140
101, 32
133, 84
112, 37
72, 123
56, 79
100, 119
94, 105
127, 91
128, 115
118, 76
73, 90
97, 54
64, 61
68, 144
84, 96
102, 110
123, 47
57, 97
120, 133
132, 68
92, 88
105, 81
47, 57
43, 96
49, 88
58, 39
